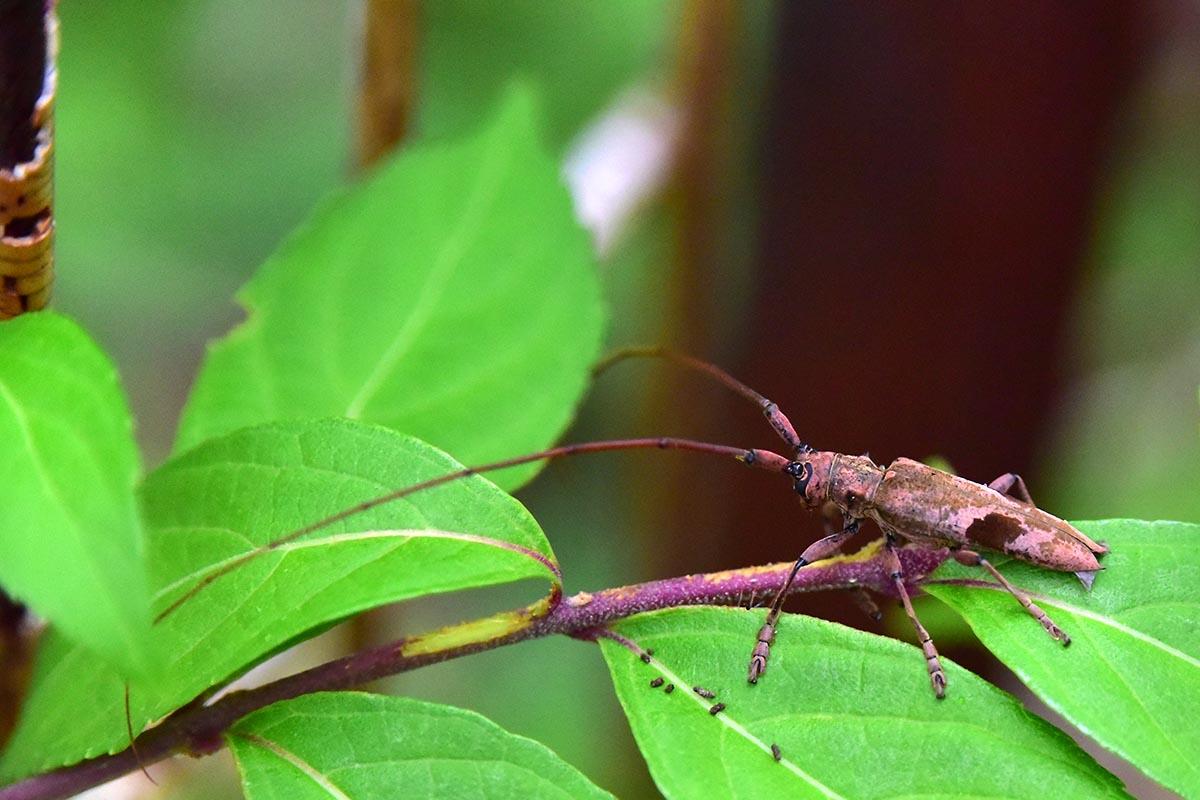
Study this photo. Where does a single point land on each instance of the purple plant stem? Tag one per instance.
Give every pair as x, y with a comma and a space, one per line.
199, 730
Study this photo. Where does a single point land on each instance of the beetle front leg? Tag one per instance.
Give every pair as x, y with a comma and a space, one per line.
937, 676
818, 550
972, 559
1011, 484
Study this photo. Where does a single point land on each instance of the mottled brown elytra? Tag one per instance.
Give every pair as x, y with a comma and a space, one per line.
906, 499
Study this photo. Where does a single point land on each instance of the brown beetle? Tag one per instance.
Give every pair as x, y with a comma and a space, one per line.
912, 501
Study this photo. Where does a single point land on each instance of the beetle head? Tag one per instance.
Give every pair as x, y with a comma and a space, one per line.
810, 473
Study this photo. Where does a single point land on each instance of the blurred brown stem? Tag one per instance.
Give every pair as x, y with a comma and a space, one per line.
389, 76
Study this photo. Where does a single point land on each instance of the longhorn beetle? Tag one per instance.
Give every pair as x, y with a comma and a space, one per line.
906, 499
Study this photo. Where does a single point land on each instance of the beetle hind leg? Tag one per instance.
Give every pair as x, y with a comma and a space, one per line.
1012, 485
972, 559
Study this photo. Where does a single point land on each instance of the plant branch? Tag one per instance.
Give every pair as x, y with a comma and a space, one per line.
387, 87
199, 730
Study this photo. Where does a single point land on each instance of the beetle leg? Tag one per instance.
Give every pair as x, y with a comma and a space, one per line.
973, 559
866, 603
937, 677
1011, 484
818, 550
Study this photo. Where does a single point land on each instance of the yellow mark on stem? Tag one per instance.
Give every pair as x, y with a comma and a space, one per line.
477, 631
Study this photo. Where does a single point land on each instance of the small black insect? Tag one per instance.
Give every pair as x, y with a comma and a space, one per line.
705, 693
717, 709
776, 753
656, 682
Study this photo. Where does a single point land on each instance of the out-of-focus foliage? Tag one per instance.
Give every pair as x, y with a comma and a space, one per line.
191, 137
1130, 444
579, 55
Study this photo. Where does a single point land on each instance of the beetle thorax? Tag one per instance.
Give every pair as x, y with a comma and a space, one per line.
853, 481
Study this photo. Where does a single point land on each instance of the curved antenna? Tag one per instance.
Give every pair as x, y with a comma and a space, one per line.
760, 459
778, 420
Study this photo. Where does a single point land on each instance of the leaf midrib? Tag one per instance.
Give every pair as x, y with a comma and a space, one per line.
306, 769
737, 728
447, 262
333, 539
1110, 622
74, 524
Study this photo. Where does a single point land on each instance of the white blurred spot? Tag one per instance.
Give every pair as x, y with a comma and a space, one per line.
621, 161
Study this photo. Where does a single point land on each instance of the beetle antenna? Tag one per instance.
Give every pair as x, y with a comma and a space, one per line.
778, 420
757, 458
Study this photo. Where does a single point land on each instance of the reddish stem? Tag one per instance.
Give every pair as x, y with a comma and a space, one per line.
199, 730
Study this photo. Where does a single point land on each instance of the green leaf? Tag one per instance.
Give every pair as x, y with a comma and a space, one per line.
451, 296
222, 500
352, 745
852, 714
1131, 677
71, 541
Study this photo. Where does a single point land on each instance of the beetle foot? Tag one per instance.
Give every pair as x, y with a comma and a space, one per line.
1057, 633
758, 665
937, 679
762, 649
937, 676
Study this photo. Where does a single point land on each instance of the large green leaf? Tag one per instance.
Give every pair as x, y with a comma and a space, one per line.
852, 714
71, 540
356, 746
1131, 677
451, 296
232, 494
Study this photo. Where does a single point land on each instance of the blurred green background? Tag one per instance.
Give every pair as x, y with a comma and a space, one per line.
193, 136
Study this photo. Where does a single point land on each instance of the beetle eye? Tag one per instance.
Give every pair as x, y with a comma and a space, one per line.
803, 472
850, 498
